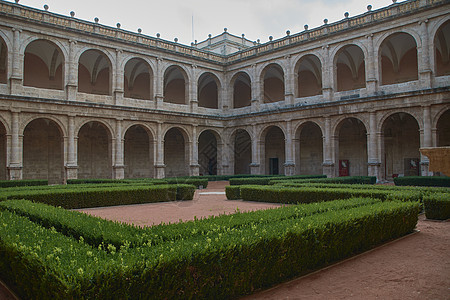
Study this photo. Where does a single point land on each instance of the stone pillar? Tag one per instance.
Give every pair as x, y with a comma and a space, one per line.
119, 167
256, 91
72, 80
15, 163
425, 73
160, 167
71, 164
194, 169
289, 83
328, 164
255, 165
371, 81
289, 164
426, 141
159, 83
118, 78
16, 79
327, 75
372, 147
192, 90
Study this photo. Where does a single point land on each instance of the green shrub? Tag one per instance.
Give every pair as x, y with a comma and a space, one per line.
335, 180
185, 191
423, 181
268, 179
15, 183
437, 206
233, 192
198, 182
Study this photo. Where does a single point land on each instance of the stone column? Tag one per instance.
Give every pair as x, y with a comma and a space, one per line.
372, 147
72, 80
160, 167
16, 79
425, 72
327, 75
255, 165
289, 82
159, 83
193, 164
328, 164
71, 164
371, 81
119, 167
118, 78
15, 163
256, 91
426, 141
193, 90
289, 164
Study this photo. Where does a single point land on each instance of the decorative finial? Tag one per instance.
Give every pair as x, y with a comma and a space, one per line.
270, 38
118, 25
96, 20
243, 35
72, 14
225, 29
346, 14
176, 40
17, 1
325, 21
158, 35
369, 7
288, 32
306, 26
45, 7
258, 41
209, 35
394, 1
139, 30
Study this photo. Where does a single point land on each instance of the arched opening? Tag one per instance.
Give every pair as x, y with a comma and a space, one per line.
273, 80
242, 90
350, 68
207, 153
138, 156
176, 154
43, 151
94, 151
208, 92
398, 59
443, 130
242, 152
309, 76
43, 65
310, 150
94, 73
442, 50
175, 85
352, 148
274, 151
401, 140
137, 79
3, 61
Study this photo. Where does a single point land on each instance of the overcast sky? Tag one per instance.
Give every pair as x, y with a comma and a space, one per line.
257, 19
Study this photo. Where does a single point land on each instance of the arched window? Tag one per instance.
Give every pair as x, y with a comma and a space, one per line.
137, 79
94, 73
175, 85
442, 50
350, 68
208, 93
242, 90
273, 80
309, 76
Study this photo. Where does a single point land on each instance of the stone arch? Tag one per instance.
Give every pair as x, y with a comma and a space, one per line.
138, 152
138, 79
3, 61
43, 151
441, 46
176, 85
176, 152
208, 149
242, 89
309, 145
400, 145
94, 72
351, 147
443, 129
308, 76
94, 150
272, 78
273, 151
242, 149
43, 65
398, 58
208, 90
349, 62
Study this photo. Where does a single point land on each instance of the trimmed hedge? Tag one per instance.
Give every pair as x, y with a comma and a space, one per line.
267, 180
221, 264
105, 196
233, 192
437, 206
14, 183
198, 182
423, 181
336, 180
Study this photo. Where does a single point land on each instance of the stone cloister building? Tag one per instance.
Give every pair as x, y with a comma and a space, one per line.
356, 97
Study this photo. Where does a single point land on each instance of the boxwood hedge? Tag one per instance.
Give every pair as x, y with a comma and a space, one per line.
437, 206
442, 181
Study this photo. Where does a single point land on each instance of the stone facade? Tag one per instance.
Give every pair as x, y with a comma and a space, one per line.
357, 97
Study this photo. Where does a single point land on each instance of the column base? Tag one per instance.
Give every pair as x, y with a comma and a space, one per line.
71, 92
289, 169
71, 172
15, 86
160, 171
255, 169
328, 169
425, 168
194, 170
118, 97
15, 172
373, 169
119, 172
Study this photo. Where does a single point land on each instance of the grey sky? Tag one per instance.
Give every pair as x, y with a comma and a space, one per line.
257, 19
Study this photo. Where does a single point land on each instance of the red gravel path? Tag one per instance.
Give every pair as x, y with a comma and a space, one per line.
414, 267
